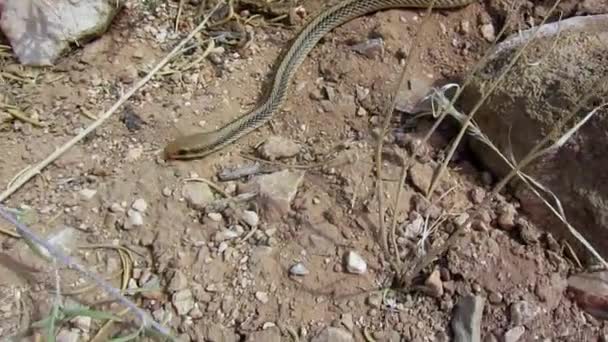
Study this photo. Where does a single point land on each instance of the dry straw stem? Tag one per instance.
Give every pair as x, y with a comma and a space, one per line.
388, 115
104, 116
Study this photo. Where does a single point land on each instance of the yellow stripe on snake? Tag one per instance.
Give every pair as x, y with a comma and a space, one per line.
201, 144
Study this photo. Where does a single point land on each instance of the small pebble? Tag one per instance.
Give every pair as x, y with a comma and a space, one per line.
514, 334
262, 297
375, 300
140, 205
183, 301
251, 218
355, 263
298, 270
116, 208
167, 192
434, 285
495, 298
87, 194
488, 32
216, 217
134, 219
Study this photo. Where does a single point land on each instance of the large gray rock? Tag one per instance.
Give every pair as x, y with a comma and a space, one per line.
39, 31
539, 92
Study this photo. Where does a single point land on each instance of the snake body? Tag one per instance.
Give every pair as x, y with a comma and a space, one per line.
201, 144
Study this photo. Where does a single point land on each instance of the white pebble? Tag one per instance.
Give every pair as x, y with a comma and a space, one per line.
134, 219
251, 218
116, 208
140, 205
216, 217
87, 194
298, 270
355, 263
262, 297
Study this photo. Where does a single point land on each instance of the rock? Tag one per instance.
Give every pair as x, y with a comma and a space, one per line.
421, 176
495, 297
134, 220
87, 194
262, 297
361, 92
590, 292
375, 301
370, 48
83, 323
178, 282
65, 335
465, 27
466, 322
182, 301
355, 263
298, 270
251, 218
413, 229
277, 190
506, 217
478, 195
215, 217
196, 312
278, 147
140, 205
347, 321
198, 195
488, 32
134, 154
225, 235
332, 334
167, 192
531, 101
523, 312
434, 285
272, 334
514, 334
116, 208
39, 33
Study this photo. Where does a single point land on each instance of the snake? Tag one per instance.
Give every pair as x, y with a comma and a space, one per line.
202, 144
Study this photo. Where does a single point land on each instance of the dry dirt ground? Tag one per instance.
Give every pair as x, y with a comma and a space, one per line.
227, 288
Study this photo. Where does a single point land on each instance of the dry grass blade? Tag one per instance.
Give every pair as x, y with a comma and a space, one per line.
388, 115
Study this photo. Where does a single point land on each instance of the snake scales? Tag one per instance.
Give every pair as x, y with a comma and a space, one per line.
201, 144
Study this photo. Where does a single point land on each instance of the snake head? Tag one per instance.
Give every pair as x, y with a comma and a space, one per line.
192, 146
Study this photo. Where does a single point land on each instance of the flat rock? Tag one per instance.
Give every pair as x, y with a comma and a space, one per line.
466, 323
277, 147
197, 194
532, 100
277, 190
40, 32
